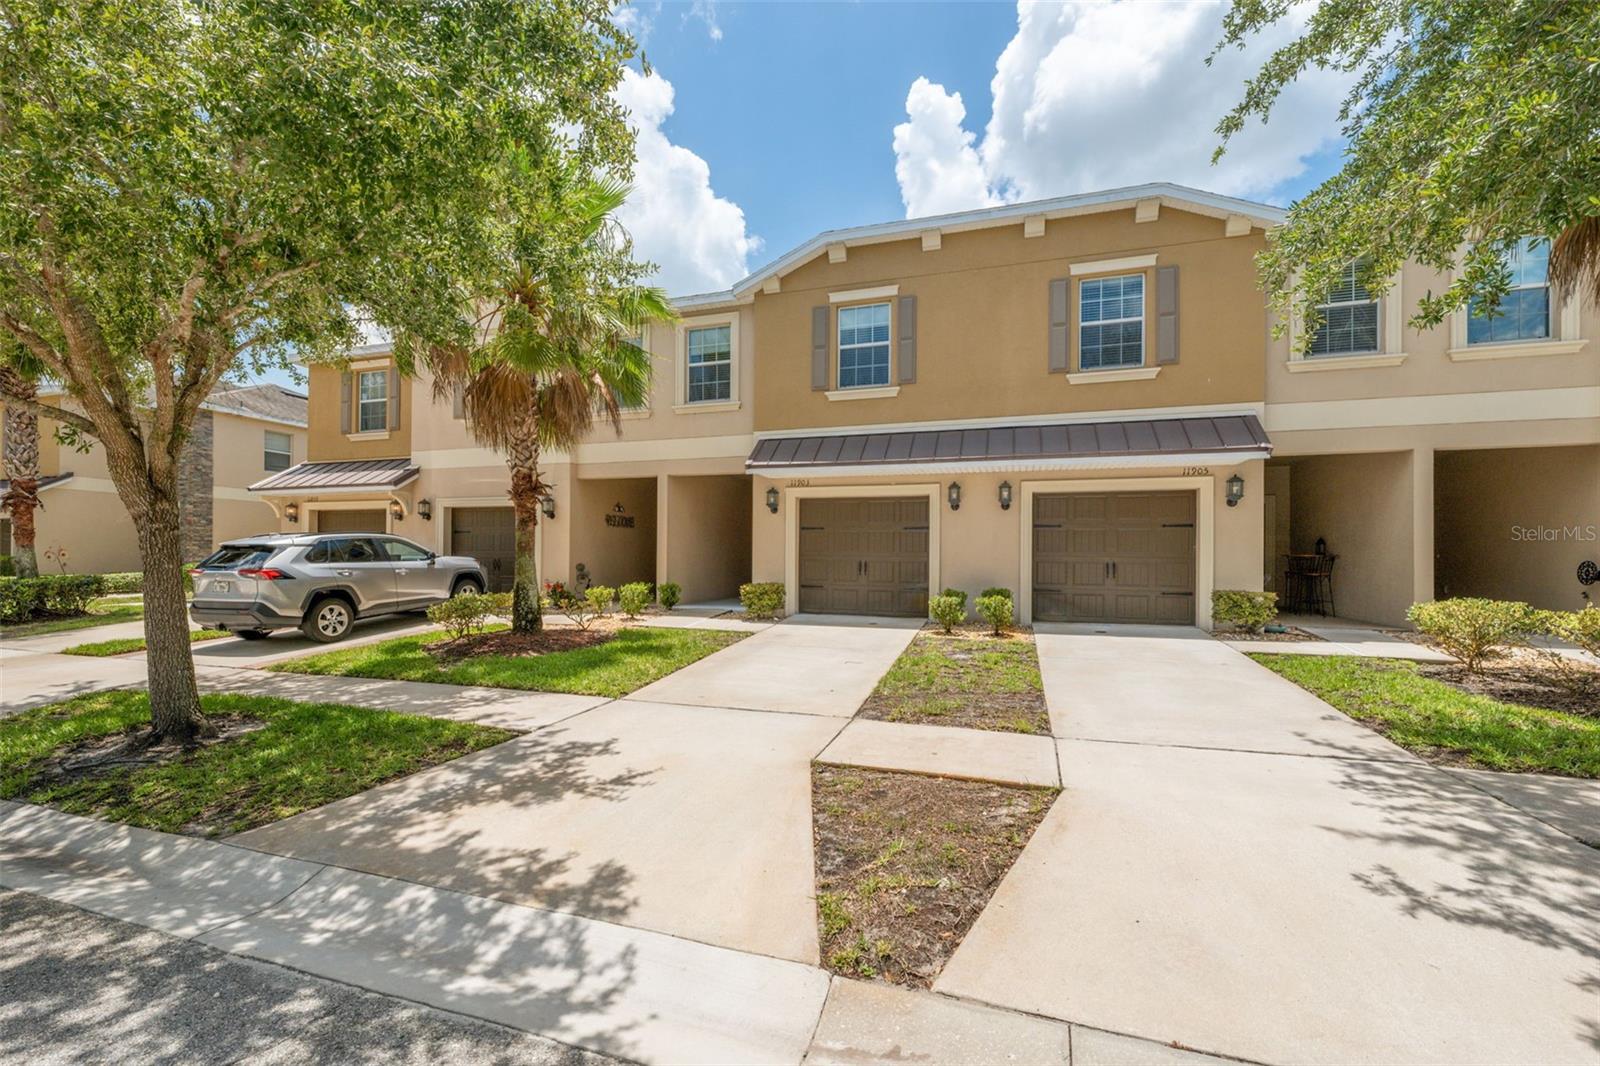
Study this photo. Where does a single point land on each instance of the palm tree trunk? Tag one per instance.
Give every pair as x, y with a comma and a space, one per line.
22, 471
526, 491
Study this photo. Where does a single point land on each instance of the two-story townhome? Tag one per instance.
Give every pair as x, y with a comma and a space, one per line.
1078, 399
240, 435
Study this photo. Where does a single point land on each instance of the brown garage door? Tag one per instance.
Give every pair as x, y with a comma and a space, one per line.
864, 556
489, 535
350, 521
1114, 557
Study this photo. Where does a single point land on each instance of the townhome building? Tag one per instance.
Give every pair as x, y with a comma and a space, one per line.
1080, 399
240, 436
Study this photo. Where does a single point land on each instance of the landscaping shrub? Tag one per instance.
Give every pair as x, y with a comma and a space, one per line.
762, 599
17, 600
466, 615
947, 610
8, 566
600, 598
1244, 609
958, 594
1581, 628
670, 593
997, 611
1473, 629
65, 595
122, 584
634, 597
1002, 593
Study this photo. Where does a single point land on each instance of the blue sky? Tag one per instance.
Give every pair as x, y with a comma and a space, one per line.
764, 123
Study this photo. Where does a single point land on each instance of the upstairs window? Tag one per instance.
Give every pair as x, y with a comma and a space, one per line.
710, 364
1349, 317
1524, 313
864, 346
372, 397
278, 451
1111, 322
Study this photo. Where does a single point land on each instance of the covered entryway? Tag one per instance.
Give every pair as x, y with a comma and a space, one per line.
1114, 557
864, 555
342, 521
489, 535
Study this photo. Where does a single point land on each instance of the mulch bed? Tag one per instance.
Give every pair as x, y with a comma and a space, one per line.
1524, 676
1292, 635
113, 752
966, 700
508, 643
907, 862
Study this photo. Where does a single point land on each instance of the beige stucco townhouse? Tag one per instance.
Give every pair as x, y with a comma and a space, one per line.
1079, 399
240, 436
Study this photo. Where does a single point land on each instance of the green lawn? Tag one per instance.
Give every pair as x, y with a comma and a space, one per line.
101, 613
630, 660
976, 682
306, 755
1435, 720
123, 645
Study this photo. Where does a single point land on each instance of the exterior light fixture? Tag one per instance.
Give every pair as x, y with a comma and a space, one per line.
1005, 495
291, 512
425, 510
547, 506
1235, 490
397, 510
772, 500
954, 496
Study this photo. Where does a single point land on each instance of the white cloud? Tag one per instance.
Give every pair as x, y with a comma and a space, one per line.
935, 162
706, 11
697, 238
1093, 96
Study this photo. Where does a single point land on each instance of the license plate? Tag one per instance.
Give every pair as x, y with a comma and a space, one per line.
222, 586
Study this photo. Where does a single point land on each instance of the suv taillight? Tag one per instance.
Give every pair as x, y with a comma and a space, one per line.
266, 573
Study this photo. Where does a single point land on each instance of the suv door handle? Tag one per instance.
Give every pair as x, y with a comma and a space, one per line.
402, 573
344, 573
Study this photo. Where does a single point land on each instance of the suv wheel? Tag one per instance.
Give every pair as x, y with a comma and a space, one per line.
466, 585
328, 620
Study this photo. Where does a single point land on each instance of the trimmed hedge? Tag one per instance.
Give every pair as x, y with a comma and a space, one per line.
997, 611
762, 599
1474, 629
670, 593
634, 597
60, 595
1244, 608
947, 610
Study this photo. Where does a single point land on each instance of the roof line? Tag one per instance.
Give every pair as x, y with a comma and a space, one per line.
1264, 215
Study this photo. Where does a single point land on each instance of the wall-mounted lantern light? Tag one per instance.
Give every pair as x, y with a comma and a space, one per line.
425, 510
291, 512
397, 510
772, 500
1005, 495
954, 496
547, 506
1235, 490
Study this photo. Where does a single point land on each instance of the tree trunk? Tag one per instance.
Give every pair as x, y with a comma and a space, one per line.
174, 697
526, 491
22, 471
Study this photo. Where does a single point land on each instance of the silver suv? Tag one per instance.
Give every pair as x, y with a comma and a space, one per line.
322, 582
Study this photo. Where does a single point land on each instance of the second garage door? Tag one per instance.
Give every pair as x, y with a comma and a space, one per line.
864, 556
350, 522
489, 535
1114, 557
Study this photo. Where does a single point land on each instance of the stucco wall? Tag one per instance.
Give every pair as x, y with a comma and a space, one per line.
613, 554
327, 443
87, 519
1362, 506
1514, 524
707, 535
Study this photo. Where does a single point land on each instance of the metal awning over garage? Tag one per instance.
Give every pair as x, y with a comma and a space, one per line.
356, 475
1220, 439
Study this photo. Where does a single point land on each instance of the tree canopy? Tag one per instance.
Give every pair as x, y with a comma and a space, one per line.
1471, 125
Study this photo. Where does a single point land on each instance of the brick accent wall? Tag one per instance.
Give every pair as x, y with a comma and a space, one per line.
194, 488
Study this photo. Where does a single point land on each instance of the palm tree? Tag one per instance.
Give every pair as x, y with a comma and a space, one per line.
557, 352
21, 497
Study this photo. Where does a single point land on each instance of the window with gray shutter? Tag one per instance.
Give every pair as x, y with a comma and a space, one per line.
1167, 314
907, 355
346, 384
1060, 324
821, 327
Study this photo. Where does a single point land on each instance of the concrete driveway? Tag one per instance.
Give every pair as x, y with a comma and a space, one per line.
1235, 868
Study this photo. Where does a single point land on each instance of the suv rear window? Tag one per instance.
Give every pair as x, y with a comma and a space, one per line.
235, 556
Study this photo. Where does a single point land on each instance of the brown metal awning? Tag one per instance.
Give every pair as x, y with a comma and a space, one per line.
353, 475
1128, 442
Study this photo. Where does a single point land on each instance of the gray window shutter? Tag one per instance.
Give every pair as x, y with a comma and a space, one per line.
346, 383
1060, 323
1166, 314
908, 340
458, 402
821, 323
394, 399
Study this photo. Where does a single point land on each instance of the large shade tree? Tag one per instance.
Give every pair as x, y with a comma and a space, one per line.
21, 459
556, 347
188, 187
1471, 126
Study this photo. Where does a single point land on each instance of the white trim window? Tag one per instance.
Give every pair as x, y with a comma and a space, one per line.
710, 351
864, 346
372, 401
1524, 313
1349, 317
1111, 322
277, 451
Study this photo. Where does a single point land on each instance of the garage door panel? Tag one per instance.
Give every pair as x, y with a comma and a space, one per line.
342, 521
864, 555
1114, 557
489, 535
